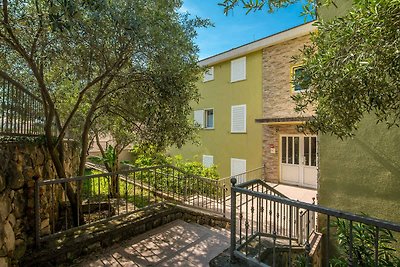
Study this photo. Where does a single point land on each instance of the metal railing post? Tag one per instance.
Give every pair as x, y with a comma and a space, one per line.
185, 184
233, 219
224, 200
264, 172
37, 212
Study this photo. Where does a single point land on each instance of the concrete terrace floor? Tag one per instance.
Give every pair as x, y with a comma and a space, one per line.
178, 243
175, 244
296, 192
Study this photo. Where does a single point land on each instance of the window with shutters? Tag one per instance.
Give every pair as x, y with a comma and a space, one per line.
208, 161
199, 118
208, 74
238, 169
238, 69
204, 118
209, 118
238, 119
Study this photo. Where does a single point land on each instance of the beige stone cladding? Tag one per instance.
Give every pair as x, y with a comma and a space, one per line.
271, 138
277, 86
277, 103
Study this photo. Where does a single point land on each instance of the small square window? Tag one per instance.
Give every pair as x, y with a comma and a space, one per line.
209, 118
298, 72
208, 161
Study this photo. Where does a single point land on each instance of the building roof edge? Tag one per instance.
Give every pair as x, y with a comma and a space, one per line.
259, 44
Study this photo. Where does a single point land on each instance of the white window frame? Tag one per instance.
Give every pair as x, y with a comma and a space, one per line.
208, 75
206, 159
293, 72
198, 118
206, 118
238, 69
240, 178
244, 130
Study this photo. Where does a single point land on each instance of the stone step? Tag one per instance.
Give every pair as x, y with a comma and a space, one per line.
225, 233
73, 244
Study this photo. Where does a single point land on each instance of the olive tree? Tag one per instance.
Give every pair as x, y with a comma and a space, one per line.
353, 68
134, 59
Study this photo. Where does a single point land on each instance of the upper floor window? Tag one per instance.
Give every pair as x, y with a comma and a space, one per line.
204, 118
208, 74
297, 73
238, 119
209, 118
238, 69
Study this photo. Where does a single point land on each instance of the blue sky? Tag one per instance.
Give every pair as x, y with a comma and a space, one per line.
237, 28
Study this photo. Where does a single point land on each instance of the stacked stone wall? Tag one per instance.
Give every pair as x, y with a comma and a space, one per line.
19, 163
277, 79
277, 102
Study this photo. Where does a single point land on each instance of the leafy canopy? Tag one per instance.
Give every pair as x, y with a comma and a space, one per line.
130, 60
353, 68
272, 5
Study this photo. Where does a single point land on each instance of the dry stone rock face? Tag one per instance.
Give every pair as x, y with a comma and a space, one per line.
20, 162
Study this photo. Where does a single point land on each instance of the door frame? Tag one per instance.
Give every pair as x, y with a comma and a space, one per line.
301, 158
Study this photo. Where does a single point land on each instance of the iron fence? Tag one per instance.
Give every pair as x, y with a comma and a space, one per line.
21, 111
272, 230
253, 174
106, 196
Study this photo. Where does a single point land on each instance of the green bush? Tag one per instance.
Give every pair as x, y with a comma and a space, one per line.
363, 249
149, 156
98, 189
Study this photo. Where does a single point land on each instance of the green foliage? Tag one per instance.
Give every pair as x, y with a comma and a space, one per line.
300, 261
363, 245
354, 68
110, 157
271, 5
130, 62
150, 156
37, 140
98, 189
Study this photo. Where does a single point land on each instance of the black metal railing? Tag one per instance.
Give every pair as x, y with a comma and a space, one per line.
272, 230
105, 196
253, 174
21, 111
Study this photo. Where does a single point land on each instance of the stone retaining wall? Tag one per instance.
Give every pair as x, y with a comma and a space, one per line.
20, 162
63, 250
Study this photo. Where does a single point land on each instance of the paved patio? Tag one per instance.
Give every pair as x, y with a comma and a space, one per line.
175, 244
296, 192
178, 243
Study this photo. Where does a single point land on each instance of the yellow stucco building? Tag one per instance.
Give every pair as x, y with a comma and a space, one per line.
233, 95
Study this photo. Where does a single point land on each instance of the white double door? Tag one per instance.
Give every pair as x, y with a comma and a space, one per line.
298, 160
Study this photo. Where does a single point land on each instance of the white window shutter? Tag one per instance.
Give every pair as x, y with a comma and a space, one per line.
208, 74
238, 169
208, 161
199, 118
238, 69
238, 119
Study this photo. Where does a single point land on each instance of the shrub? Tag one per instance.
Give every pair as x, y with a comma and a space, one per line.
363, 245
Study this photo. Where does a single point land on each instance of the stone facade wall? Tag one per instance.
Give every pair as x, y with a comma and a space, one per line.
20, 162
277, 102
277, 86
271, 160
